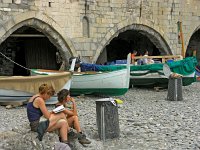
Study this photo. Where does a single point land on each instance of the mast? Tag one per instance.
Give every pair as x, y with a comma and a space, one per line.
181, 38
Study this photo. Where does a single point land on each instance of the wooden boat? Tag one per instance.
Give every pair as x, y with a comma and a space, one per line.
110, 83
20, 88
152, 75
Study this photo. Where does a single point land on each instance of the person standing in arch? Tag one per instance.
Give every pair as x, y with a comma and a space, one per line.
133, 54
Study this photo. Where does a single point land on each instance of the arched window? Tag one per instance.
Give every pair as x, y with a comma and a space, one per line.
86, 28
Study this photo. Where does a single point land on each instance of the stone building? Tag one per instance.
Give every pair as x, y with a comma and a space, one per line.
34, 33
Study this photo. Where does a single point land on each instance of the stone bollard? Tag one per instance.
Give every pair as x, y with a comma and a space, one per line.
175, 89
107, 118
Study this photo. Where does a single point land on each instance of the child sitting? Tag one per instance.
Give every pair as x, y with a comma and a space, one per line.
71, 115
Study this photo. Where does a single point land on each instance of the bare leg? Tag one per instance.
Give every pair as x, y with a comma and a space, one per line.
55, 117
73, 120
58, 121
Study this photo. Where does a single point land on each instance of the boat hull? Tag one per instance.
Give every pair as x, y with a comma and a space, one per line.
20, 89
106, 83
157, 80
13, 96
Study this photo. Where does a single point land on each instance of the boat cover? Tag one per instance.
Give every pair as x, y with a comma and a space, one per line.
31, 83
183, 67
94, 67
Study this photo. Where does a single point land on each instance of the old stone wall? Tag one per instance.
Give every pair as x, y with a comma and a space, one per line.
63, 22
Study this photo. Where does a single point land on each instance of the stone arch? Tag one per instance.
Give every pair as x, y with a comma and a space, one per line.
42, 23
192, 43
154, 33
86, 27
192, 31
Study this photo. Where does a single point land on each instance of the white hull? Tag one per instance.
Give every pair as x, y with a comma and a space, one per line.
103, 83
114, 79
110, 83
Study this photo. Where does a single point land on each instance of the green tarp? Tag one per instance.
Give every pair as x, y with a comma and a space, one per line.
183, 67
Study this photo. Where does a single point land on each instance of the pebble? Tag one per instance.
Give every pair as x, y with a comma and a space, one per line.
146, 119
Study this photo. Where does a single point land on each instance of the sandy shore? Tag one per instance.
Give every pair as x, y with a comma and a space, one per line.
147, 121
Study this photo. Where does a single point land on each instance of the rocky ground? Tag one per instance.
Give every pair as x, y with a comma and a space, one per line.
147, 122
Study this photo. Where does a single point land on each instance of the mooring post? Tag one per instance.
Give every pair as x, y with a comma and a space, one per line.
175, 89
107, 118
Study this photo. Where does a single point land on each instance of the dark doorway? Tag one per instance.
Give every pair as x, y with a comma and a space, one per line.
128, 42
20, 59
31, 49
193, 48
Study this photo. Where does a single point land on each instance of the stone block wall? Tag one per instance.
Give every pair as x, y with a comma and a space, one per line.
106, 19
6, 66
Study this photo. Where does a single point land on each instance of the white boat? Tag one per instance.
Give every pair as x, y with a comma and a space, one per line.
20, 88
110, 83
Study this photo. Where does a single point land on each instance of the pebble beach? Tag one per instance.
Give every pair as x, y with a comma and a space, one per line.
147, 121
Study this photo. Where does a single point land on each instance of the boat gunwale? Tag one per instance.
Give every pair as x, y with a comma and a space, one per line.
19, 78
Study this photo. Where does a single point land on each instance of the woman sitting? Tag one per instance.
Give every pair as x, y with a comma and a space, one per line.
36, 108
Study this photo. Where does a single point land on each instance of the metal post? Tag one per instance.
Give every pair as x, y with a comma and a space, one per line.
102, 124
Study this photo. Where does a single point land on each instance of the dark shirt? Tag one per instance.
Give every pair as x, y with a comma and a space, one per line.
32, 112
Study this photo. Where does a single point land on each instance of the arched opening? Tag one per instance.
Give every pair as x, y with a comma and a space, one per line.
193, 48
31, 49
86, 29
126, 42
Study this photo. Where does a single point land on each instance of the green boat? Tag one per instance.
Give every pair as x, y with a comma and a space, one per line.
152, 75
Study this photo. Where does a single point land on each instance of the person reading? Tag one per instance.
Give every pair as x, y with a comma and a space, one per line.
36, 108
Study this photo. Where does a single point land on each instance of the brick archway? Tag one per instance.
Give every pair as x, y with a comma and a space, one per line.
192, 44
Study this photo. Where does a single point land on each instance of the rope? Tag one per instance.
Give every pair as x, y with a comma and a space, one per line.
14, 62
